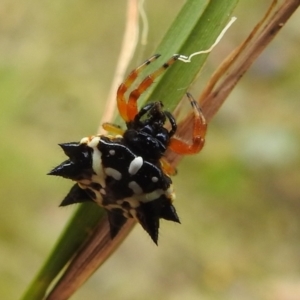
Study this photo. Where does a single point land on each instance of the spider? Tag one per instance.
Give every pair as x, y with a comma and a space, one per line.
126, 173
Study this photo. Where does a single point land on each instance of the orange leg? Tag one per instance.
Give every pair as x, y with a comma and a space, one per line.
113, 128
132, 109
199, 132
167, 168
121, 101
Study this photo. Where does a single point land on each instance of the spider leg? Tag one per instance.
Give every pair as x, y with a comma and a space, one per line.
132, 109
199, 132
167, 167
121, 101
173, 123
143, 111
113, 128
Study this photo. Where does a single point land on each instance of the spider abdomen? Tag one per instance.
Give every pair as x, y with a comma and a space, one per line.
125, 184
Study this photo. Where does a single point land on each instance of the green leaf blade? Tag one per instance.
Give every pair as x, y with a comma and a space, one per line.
186, 39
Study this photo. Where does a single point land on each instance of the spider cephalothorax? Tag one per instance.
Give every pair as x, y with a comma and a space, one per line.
148, 136
127, 173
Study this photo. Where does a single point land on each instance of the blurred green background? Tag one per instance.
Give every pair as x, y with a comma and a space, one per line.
239, 200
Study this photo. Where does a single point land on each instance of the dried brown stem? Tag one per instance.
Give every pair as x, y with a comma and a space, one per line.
93, 253
235, 66
128, 47
212, 102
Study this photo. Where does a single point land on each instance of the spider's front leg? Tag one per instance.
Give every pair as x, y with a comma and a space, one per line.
113, 128
121, 101
199, 132
132, 109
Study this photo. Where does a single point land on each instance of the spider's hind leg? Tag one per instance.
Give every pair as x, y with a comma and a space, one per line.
167, 167
199, 132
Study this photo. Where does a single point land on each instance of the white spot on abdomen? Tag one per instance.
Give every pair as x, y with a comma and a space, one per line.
93, 143
154, 179
135, 187
113, 173
153, 195
97, 162
135, 165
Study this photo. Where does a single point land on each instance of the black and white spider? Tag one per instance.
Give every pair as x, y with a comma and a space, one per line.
126, 173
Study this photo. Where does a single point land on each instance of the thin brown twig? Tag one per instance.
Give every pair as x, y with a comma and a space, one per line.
128, 47
212, 102
233, 56
217, 92
93, 253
